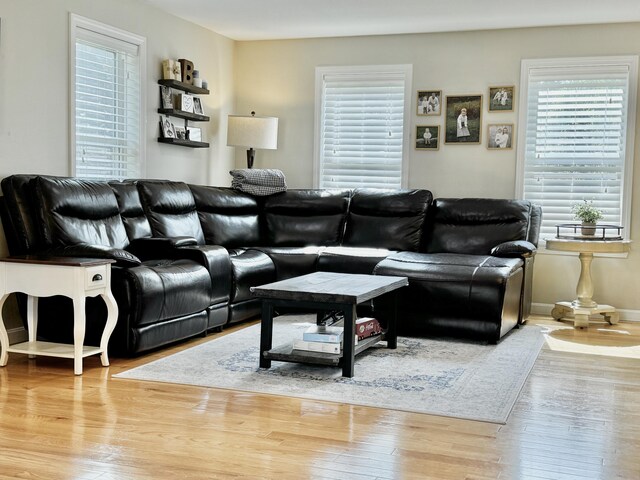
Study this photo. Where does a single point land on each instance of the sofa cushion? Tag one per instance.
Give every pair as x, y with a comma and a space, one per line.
228, 217
20, 224
131, 210
74, 211
390, 219
292, 261
160, 290
475, 225
351, 259
297, 218
171, 209
249, 268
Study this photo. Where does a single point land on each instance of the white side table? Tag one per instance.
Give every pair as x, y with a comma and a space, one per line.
584, 306
76, 278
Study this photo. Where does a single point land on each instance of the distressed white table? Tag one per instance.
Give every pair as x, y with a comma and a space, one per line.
76, 278
584, 306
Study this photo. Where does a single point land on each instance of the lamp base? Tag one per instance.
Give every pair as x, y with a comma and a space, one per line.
251, 156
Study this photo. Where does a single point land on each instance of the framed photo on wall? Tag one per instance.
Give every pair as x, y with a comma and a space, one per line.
429, 102
427, 137
463, 120
500, 136
501, 99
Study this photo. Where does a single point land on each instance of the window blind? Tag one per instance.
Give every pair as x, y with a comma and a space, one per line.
107, 107
575, 141
362, 130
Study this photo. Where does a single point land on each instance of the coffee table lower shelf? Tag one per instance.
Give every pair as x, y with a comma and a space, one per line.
286, 353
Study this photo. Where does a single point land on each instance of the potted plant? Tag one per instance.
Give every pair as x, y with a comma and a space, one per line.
588, 215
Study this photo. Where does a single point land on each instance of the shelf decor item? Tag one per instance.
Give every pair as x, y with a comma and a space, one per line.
185, 102
253, 132
187, 71
166, 97
588, 214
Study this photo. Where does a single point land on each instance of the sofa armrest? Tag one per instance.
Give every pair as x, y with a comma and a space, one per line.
159, 247
122, 257
216, 260
514, 249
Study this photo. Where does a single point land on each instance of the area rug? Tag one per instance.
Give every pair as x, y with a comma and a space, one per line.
439, 377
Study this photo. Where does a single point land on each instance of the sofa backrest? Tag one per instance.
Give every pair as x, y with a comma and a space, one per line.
135, 222
391, 219
74, 211
170, 209
18, 214
475, 225
298, 218
228, 217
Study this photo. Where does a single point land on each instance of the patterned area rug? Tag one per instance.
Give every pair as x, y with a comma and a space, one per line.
439, 377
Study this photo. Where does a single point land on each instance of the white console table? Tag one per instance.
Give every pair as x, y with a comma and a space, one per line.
584, 306
76, 278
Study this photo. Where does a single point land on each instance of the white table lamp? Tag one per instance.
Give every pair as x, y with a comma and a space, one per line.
252, 132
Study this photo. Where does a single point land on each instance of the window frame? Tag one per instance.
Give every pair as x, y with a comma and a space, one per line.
406, 69
631, 61
75, 22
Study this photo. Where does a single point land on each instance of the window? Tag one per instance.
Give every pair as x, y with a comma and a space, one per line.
107, 101
576, 140
362, 117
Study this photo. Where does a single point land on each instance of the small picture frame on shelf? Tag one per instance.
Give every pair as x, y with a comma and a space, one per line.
427, 137
185, 102
181, 133
194, 133
500, 136
166, 97
167, 128
197, 106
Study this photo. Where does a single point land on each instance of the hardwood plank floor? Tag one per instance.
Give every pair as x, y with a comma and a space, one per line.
578, 417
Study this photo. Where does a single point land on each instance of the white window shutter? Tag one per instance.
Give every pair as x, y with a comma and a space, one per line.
361, 136
107, 99
575, 148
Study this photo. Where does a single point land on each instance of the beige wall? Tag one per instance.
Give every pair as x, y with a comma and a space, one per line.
277, 78
34, 87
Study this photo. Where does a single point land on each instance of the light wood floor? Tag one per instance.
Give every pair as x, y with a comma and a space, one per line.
578, 417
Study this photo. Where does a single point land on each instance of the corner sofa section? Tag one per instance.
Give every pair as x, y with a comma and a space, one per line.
188, 254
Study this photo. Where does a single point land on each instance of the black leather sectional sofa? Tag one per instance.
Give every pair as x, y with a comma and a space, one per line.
188, 254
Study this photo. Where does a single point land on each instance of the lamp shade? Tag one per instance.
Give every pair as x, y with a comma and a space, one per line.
252, 132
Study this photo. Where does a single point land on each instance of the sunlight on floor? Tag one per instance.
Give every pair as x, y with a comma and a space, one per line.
605, 340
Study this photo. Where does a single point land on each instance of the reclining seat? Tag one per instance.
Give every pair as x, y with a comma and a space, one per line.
171, 211
379, 223
159, 301
469, 280
231, 218
299, 225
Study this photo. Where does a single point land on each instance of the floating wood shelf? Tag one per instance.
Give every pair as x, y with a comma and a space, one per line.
183, 143
186, 115
185, 87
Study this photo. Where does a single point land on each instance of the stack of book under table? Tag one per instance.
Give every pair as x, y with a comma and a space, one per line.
329, 338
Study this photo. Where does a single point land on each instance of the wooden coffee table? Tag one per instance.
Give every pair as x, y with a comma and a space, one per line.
325, 291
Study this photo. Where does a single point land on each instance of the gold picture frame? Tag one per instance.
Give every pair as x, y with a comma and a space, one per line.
498, 139
502, 98
429, 102
463, 120
427, 137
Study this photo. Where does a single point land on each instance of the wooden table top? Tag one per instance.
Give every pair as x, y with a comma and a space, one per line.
588, 246
59, 261
330, 287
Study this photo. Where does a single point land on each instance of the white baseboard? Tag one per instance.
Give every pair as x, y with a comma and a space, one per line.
17, 335
625, 315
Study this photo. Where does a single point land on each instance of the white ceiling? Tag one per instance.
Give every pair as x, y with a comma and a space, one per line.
279, 19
